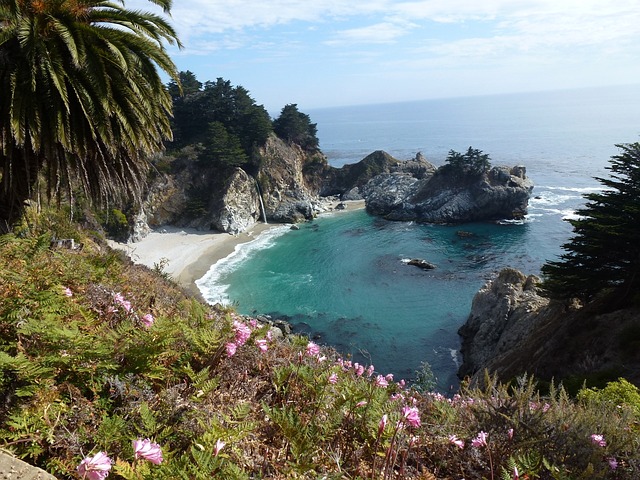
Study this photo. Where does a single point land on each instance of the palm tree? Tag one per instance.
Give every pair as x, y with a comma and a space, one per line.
82, 100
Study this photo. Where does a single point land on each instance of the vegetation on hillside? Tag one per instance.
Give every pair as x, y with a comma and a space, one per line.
82, 103
108, 365
472, 163
603, 257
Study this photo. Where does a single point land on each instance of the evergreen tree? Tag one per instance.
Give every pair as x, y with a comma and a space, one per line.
222, 148
604, 254
473, 162
296, 127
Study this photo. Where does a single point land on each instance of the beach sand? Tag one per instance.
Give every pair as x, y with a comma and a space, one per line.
186, 254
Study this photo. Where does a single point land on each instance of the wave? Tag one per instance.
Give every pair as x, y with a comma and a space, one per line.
211, 286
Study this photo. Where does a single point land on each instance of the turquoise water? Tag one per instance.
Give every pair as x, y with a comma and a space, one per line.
341, 279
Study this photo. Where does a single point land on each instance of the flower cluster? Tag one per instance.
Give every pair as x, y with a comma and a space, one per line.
98, 466
120, 301
242, 333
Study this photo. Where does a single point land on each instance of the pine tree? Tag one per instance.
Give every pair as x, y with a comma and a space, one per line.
604, 254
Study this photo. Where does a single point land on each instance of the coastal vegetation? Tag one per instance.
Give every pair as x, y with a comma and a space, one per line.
83, 103
108, 368
603, 257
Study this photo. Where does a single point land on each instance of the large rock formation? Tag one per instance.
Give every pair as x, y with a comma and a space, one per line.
349, 180
512, 330
289, 196
447, 197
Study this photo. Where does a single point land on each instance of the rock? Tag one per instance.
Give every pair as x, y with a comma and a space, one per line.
283, 326
239, 207
502, 312
445, 197
295, 227
288, 194
420, 263
341, 206
13, 468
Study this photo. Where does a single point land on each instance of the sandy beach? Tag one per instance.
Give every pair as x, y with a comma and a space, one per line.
187, 254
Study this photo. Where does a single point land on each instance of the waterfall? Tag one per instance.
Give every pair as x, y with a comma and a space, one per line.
264, 213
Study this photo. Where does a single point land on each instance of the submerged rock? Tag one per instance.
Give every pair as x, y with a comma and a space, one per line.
420, 263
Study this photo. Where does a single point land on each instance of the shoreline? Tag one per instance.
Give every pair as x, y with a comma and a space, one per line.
187, 254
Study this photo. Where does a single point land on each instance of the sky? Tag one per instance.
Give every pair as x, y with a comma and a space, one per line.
325, 53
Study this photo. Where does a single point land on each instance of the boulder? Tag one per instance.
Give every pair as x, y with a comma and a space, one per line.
420, 263
239, 207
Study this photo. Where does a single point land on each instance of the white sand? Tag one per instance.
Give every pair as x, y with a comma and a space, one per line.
187, 254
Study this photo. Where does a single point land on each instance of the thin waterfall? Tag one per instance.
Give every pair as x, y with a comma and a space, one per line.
264, 213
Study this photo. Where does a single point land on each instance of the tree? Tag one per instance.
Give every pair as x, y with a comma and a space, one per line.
221, 148
296, 127
473, 162
604, 253
82, 99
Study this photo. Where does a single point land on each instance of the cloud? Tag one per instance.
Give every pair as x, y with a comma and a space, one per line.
384, 32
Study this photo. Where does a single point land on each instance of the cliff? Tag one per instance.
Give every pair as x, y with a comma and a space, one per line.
513, 330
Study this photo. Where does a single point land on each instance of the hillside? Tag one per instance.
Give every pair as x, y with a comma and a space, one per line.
97, 352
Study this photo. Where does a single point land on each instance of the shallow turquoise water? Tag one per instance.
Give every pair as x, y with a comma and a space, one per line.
342, 280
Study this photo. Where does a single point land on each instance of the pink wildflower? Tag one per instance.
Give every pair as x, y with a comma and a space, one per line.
381, 382
269, 336
370, 370
613, 463
389, 377
510, 433
243, 332
402, 383
454, 440
411, 416
321, 359
120, 300
480, 440
361, 403
219, 446
231, 349
262, 345
312, 349
147, 320
382, 424
253, 322
96, 467
68, 292
333, 378
359, 369
598, 440
516, 475
148, 450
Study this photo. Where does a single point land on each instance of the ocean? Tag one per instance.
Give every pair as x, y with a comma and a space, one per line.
343, 279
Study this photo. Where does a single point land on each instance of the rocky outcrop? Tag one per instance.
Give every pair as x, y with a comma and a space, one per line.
445, 197
503, 313
288, 195
512, 330
239, 207
348, 181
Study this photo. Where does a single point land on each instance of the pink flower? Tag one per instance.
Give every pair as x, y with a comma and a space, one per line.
147, 320
402, 383
333, 378
613, 463
598, 440
147, 450
253, 322
231, 349
120, 300
510, 433
370, 370
516, 475
359, 369
389, 377
269, 335
382, 424
454, 440
262, 345
312, 349
480, 440
96, 467
381, 382
243, 332
219, 446
68, 292
361, 403
411, 416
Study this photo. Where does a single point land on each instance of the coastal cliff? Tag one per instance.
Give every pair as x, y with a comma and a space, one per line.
513, 330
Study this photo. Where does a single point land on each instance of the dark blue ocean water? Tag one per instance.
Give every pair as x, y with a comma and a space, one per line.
342, 278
